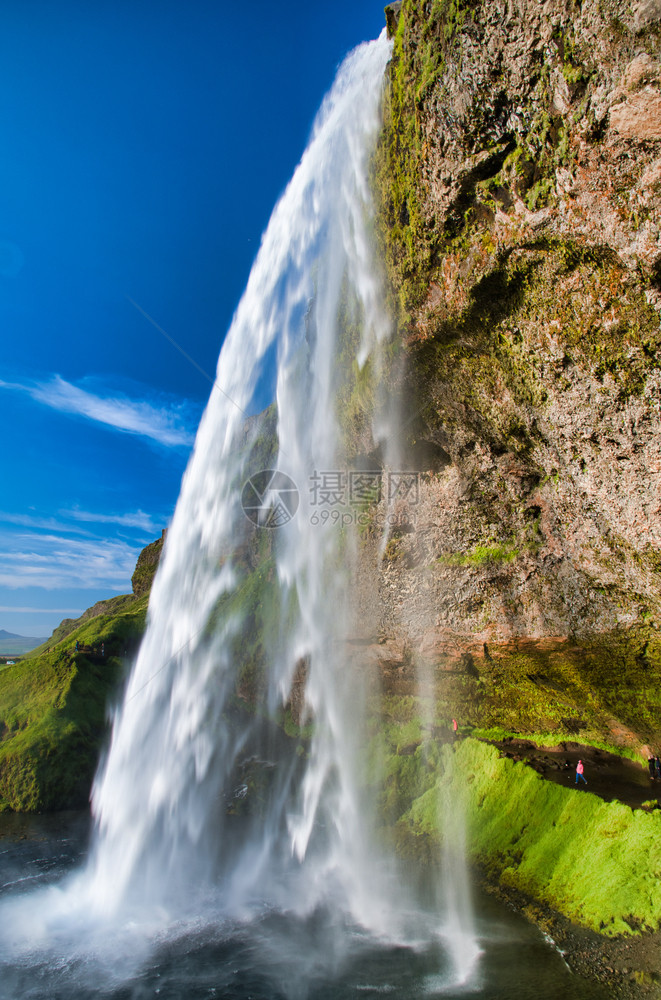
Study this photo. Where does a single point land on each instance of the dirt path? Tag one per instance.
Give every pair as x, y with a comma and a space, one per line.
608, 776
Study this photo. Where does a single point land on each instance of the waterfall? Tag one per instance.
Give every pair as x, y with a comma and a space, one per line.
160, 802
203, 804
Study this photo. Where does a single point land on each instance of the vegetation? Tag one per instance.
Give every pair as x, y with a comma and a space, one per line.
145, 569
572, 851
580, 855
53, 711
560, 689
482, 554
485, 355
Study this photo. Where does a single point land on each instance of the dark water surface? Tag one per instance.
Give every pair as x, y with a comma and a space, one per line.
276, 957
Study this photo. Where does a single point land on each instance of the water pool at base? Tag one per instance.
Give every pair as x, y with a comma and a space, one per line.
275, 957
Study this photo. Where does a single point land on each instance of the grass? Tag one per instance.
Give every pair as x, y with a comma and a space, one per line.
53, 712
597, 862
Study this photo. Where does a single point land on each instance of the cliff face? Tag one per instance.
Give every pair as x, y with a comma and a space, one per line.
520, 179
146, 566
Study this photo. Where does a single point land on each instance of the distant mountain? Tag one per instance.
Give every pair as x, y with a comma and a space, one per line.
15, 645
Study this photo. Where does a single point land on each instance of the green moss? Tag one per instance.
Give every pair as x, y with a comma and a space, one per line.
416, 68
548, 691
497, 734
540, 193
574, 68
294, 730
525, 303
53, 712
567, 849
482, 555
570, 850
427, 48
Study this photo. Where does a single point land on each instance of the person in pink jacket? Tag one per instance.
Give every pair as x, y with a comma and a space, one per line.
579, 773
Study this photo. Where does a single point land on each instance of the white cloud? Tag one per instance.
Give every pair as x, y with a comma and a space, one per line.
164, 424
37, 521
46, 611
138, 519
53, 562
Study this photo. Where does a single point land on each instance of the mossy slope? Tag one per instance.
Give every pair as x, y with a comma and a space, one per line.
562, 846
53, 710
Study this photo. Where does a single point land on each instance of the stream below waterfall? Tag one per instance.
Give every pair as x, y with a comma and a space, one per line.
276, 957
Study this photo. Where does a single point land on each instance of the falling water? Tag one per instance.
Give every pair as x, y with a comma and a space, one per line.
203, 806
160, 802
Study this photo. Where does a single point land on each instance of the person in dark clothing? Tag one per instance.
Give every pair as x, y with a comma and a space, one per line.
651, 763
657, 768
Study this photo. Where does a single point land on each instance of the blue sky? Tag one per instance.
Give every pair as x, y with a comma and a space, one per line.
143, 145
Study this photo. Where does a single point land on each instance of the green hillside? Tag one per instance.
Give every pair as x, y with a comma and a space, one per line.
54, 702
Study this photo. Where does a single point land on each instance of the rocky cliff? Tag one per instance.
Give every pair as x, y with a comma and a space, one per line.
520, 192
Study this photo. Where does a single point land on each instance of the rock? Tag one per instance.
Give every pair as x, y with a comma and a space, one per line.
646, 12
146, 566
651, 177
639, 117
391, 12
521, 207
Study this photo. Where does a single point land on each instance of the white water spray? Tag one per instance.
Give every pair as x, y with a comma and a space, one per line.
161, 801
185, 750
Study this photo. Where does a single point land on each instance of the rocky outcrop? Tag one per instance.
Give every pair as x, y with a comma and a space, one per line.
146, 566
520, 179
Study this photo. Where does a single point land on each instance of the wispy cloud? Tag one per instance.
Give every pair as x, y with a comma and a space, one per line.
53, 562
138, 519
40, 611
36, 521
167, 425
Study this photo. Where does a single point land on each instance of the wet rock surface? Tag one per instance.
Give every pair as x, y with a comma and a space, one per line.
521, 208
628, 967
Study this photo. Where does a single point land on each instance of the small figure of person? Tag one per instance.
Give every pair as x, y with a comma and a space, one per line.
77, 646
657, 768
579, 773
454, 728
103, 649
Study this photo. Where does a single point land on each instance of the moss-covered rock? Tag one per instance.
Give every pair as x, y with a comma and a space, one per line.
53, 712
146, 566
519, 199
519, 220
572, 851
